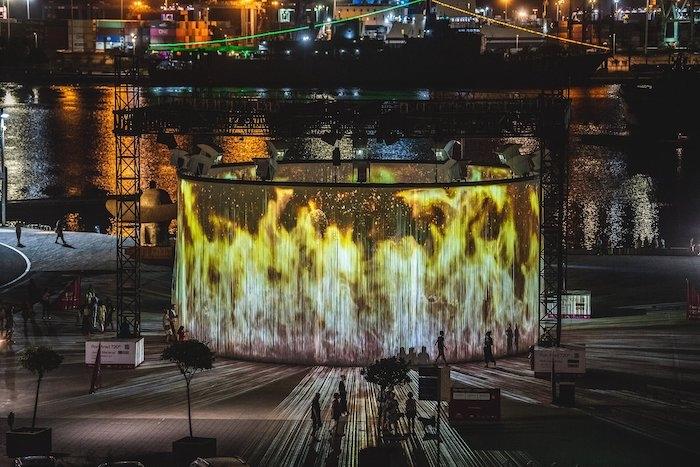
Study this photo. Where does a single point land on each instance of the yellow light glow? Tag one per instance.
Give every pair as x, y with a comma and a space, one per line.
344, 275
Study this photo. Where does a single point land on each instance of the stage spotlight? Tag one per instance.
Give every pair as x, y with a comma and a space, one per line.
179, 158
443, 149
520, 164
277, 149
359, 146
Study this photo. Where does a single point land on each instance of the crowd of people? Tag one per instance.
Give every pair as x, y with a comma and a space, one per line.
512, 337
173, 331
96, 314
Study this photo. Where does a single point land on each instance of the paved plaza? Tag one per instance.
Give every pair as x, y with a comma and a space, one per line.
637, 405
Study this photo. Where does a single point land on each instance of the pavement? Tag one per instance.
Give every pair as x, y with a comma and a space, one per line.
637, 405
13, 265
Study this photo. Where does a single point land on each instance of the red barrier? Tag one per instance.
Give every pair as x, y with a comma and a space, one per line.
470, 404
71, 296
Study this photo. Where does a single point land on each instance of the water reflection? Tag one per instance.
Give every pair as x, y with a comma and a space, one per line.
60, 144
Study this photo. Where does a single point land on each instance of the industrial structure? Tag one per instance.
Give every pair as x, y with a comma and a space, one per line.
544, 117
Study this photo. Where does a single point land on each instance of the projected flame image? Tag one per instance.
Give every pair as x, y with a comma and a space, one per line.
345, 274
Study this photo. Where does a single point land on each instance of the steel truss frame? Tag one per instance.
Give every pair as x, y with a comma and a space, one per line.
127, 192
545, 117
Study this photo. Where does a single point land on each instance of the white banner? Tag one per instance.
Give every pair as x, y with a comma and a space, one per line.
123, 352
566, 360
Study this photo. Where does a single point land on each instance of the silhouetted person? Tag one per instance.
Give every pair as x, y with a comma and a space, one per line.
342, 390
316, 414
59, 231
18, 233
412, 355
516, 337
124, 329
411, 413
337, 412
402, 353
488, 349
109, 318
87, 321
440, 343
509, 339
423, 358
45, 303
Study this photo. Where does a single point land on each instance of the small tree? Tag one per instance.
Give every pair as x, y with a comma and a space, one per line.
386, 373
39, 360
191, 357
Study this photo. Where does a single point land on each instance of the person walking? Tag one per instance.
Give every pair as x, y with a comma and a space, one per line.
337, 412
94, 307
392, 413
315, 414
509, 339
516, 338
110, 314
411, 413
59, 231
488, 349
87, 321
166, 327
18, 233
101, 316
440, 343
45, 302
342, 390
172, 316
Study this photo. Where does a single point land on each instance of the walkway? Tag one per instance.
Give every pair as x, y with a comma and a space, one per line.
13, 265
257, 410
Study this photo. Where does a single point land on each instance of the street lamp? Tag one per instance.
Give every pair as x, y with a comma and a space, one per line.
3, 169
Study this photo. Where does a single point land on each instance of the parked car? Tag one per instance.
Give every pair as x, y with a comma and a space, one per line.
38, 461
219, 462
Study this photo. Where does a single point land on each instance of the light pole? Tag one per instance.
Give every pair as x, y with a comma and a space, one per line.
646, 30
614, 20
3, 169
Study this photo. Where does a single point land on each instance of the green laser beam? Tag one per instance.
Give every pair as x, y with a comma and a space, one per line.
281, 31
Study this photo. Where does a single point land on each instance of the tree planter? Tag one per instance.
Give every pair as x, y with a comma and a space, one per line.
189, 448
28, 442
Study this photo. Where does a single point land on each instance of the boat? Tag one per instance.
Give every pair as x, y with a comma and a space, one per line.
461, 62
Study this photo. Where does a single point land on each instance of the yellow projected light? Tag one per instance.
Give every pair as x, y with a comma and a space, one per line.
335, 274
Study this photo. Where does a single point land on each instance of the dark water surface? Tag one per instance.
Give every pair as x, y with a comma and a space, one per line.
624, 183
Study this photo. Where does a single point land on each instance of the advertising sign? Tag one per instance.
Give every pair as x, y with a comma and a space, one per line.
115, 352
474, 404
566, 360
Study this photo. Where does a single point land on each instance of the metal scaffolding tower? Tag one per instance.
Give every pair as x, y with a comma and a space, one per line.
127, 191
544, 117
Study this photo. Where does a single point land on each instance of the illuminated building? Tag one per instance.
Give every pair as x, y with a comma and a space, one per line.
313, 267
